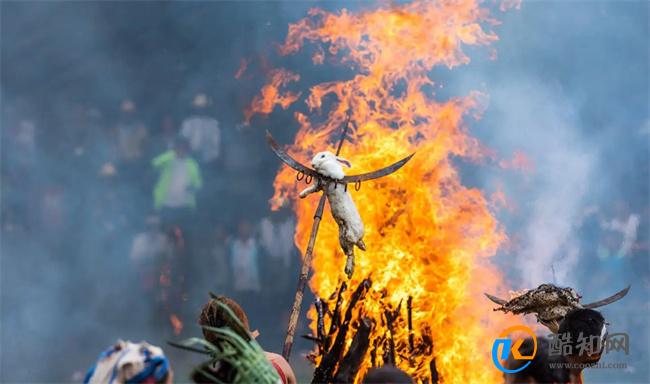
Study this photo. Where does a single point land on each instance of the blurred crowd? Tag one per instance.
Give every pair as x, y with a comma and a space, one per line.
173, 198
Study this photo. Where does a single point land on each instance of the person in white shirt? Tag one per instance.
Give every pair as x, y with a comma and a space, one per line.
202, 131
276, 240
244, 260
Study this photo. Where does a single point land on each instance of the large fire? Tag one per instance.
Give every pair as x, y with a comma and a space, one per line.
428, 236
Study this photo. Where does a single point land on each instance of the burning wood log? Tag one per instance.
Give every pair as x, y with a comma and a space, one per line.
313, 338
434, 372
336, 364
321, 324
349, 367
409, 307
373, 353
324, 373
336, 315
389, 352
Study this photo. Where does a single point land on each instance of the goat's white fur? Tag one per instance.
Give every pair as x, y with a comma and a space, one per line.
344, 211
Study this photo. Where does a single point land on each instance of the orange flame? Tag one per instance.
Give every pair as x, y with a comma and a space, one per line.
176, 323
428, 236
271, 94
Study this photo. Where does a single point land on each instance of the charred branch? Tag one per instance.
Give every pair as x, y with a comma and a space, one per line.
434, 372
409, 307
314, 339
336, 316
324, 373
320, 325
349, 367
389, 352
338, 363
373, 354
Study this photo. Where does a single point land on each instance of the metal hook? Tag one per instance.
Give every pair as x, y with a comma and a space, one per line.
335, 184
357, 185
346, 187
300, 175
308, 179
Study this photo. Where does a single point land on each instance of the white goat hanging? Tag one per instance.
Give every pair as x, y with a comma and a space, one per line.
328, 176
344, 211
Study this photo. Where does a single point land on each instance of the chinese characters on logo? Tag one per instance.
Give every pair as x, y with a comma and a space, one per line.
562, 345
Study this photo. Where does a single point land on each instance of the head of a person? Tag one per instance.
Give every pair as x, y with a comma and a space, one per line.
127, 109
181, 147
387, 374
584, 325
213, 315
200, 101
543, 368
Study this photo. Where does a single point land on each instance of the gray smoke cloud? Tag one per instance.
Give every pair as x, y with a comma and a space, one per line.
568, 88
546, 125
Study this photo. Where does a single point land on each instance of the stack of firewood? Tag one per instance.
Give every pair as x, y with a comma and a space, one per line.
335, 364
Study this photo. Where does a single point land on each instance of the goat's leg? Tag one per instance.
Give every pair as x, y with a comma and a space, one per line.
348, 249
311, 189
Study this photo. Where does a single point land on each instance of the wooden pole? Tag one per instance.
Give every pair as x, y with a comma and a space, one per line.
302, 281
306, 264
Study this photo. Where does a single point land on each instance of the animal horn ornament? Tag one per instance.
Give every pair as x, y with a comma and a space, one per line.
305, 170
608, 300
327, 173
550, 303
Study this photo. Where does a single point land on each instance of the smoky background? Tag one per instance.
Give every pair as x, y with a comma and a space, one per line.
568, 89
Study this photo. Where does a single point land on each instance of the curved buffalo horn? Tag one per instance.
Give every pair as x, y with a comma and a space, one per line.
295, 164
287, 159
379, 173
615, 297
495, 299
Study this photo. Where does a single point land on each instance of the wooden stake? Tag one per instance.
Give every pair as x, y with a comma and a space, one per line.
306, 264
302, 281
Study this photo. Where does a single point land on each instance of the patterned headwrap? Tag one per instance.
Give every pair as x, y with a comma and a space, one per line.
128, 362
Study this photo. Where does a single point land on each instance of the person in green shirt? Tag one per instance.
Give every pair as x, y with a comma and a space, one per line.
174, 194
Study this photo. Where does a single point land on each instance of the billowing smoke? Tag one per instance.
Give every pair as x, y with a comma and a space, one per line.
544, 123
568, 89
577, 213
